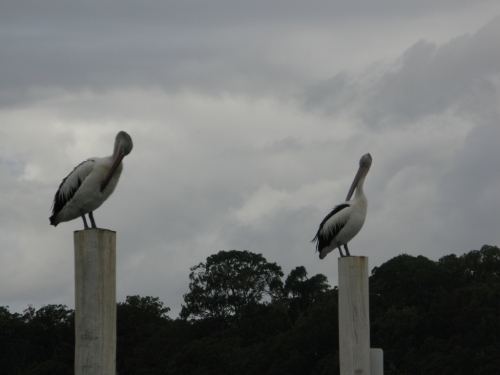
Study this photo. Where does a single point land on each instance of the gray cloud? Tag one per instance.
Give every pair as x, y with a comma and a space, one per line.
461, 75
213, 48
468, 191
431, 79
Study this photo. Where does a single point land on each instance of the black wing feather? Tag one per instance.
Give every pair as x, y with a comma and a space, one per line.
324, 240
60, 200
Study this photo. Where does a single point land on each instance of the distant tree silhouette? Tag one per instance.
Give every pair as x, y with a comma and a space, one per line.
37, 341
429, 317
229, 282
438, 317
302, 292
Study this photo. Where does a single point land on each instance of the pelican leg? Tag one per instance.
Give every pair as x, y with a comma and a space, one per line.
91, 217
84, 220
340, 250
347, 250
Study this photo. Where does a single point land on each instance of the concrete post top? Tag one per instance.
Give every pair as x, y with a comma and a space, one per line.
94, 230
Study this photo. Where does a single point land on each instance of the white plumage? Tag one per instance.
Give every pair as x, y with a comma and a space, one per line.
92, 182
345, 220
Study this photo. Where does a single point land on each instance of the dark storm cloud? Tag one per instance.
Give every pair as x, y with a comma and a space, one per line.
430, 79
427, 80
468, 191
114, 46
212, 47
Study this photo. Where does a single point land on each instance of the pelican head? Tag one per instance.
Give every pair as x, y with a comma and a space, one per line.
123, 147
123, 144
364, 166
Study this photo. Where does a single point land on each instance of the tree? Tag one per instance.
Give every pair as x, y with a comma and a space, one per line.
141, 326
302, 291
438, 317
37, 341
229, 282
429, 317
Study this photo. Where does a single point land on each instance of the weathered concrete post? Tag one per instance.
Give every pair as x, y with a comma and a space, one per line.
95, 302
354, 316
376, 361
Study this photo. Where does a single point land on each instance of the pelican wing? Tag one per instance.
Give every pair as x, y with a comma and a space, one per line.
71, 184
331, 225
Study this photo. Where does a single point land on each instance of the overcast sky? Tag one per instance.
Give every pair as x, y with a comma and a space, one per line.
248, 121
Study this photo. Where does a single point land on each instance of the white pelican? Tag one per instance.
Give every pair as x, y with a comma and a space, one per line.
90, 184
345, 220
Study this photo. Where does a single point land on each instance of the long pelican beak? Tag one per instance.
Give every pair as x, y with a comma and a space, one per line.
362, 171
112, 170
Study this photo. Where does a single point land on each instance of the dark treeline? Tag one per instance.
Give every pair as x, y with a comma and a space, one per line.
242, 316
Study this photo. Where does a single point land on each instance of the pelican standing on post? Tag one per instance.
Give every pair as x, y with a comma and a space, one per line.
345, 220
90, 184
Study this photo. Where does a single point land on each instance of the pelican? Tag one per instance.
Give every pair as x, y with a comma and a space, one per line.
90, 184
345, 220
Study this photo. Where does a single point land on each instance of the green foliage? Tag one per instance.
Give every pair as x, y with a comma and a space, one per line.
228, 282
255, 347
438, 317
37, 342
429, 317
302, 292
141, 322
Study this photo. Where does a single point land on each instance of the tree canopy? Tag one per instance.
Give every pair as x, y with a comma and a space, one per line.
438, 317
430, 317
228, 283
